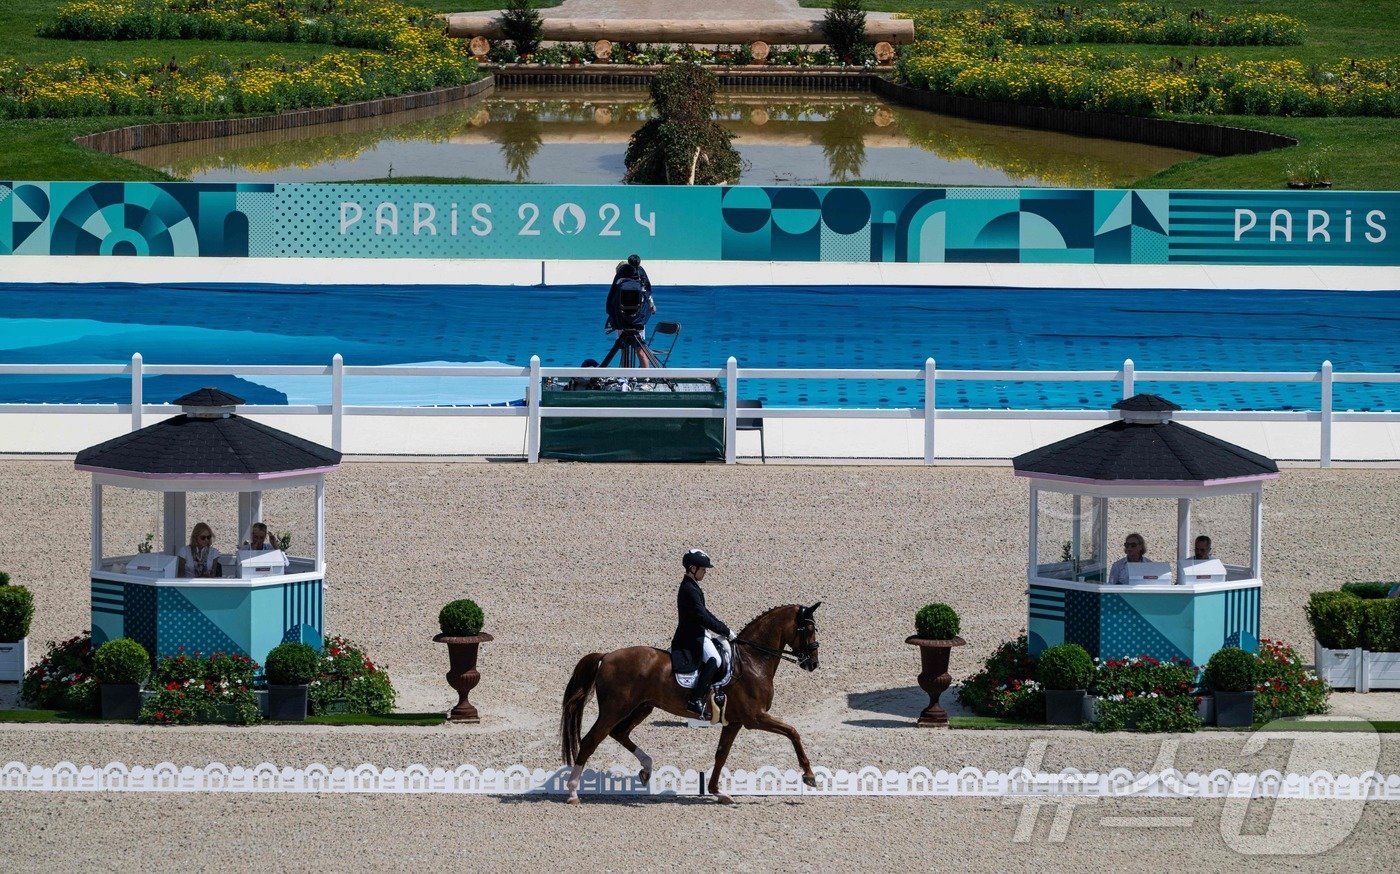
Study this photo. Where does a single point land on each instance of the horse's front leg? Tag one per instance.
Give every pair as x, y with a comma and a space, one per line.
766, 722
726, 740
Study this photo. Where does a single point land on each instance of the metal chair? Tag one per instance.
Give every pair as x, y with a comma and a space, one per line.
752, 424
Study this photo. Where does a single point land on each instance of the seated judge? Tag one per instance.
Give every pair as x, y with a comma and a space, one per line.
1135, 549
1200, 550
259, 540
199, 558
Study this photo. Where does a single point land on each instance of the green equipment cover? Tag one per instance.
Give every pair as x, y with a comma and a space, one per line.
611, 439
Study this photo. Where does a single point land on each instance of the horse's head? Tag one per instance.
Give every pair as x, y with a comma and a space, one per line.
804, 638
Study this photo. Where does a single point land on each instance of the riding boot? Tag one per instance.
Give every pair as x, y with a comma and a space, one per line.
699, 693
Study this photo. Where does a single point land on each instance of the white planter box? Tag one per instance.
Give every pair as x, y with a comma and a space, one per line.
1339, 668
14, 657
1381, 670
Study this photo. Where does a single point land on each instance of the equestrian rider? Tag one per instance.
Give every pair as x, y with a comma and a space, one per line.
691, 650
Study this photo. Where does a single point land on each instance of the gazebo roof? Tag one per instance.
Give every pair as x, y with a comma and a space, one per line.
208, 441
1145, 448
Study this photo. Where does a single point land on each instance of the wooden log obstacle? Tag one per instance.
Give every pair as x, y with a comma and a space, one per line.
885, 34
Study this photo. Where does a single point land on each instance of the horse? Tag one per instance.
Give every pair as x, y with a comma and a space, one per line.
631, 682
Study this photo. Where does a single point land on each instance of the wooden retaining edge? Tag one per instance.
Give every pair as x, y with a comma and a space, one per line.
164, 133
827, 78
1209, 139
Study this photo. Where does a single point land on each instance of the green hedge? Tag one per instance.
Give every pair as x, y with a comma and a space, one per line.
1336, 619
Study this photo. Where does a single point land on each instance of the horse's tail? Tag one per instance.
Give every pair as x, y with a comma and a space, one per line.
575, 697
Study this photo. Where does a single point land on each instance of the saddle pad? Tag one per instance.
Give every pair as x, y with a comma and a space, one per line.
687, 680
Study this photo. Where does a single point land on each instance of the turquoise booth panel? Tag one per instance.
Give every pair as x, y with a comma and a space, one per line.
246, 620
1122, 623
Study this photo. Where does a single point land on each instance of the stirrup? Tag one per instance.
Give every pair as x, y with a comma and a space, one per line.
697, 707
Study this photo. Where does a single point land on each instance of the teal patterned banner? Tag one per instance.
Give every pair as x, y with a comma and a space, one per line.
743, 223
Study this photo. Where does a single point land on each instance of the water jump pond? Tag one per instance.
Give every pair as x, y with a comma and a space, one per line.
565, 134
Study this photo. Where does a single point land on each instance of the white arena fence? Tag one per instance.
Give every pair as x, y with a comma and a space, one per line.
666, 780
337, 372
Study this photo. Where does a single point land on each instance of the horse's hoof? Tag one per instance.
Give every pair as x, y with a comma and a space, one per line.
644, 776
810, 780
723, 799
573, 799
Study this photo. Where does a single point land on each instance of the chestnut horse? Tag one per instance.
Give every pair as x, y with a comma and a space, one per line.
632, 682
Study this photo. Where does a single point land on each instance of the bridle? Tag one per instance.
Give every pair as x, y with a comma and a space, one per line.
802, 658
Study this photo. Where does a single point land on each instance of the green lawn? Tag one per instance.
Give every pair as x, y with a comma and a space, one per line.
1360, 153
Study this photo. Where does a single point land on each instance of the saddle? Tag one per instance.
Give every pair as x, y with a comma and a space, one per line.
726, 668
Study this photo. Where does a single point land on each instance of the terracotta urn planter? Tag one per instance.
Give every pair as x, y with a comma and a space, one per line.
462, 674
934, 677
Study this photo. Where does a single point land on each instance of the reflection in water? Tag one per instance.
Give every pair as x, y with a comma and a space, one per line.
580, 136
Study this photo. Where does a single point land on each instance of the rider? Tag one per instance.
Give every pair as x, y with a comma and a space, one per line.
691, 650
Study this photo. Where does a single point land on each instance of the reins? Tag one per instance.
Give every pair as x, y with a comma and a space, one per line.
786, 655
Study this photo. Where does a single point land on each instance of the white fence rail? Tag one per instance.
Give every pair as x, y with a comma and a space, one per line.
337, 372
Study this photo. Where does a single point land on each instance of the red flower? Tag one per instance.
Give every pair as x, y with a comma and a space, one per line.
1127, 693
172, 686
160, 714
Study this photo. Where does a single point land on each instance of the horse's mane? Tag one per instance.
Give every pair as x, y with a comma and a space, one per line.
767, 613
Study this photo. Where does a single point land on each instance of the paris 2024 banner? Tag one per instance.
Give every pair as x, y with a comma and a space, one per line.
741, 223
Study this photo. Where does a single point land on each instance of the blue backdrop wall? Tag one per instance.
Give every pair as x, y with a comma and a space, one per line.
739, 223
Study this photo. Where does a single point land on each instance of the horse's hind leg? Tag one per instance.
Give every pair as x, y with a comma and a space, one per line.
622, 734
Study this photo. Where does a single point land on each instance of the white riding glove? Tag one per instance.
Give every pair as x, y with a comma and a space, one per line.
733, 636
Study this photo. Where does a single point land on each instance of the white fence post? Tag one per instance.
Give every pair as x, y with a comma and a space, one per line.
930, 407
337, 401
1128, 387
532, 421
138, 393
1324, 458
731, 410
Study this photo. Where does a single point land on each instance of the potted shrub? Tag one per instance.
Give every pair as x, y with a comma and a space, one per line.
1336, 619
1065, 671
1230, 676
16, 612
121, 666
461, 622
290, 668
936, 633
1380, 643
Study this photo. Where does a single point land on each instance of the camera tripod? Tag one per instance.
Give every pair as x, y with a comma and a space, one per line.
634, 349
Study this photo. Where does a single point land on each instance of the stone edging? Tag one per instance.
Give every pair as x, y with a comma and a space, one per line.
668, 780
1209, 139
164, 133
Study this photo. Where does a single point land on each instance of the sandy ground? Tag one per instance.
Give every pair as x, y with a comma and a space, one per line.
568, 559
406, 832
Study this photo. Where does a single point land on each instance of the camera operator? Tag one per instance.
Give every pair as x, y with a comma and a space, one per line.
630, 303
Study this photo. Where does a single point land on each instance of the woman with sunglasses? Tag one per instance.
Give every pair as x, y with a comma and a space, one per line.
1134, 549
199, 558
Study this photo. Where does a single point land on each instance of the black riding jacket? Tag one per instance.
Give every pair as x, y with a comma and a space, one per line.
695, 620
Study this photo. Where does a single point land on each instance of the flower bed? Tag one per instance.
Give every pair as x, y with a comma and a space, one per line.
416, 56
349, 682
994, 57
1006, 687
1285, 686
1146, 694
63, 680
202, 689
